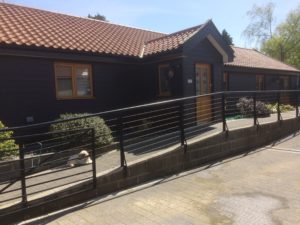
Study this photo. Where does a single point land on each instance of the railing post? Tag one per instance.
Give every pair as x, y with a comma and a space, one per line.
254, 109
278, 107
297, 103
224, 112
22, 175
181, 127
94, 159
121, 140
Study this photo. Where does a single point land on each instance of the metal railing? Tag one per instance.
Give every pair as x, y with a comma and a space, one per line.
43, 164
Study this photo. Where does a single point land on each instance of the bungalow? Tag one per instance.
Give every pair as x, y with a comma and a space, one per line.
53, 63
252, 70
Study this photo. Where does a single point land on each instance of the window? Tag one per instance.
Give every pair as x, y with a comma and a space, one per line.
225, 81
284, 83
73, 81
165, 75
260, 82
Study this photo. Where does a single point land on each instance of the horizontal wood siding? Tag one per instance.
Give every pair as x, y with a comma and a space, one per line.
239, 81
242, 82
27, 88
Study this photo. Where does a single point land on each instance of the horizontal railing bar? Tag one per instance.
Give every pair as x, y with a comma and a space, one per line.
13, 190
83, 130
196, 117
151, 128
162, 146
10, 181
204, 123
49, 147
57, 152
36, 125
202, 110
156, 132
154, 149
151, 117
56, 179
48, 163
13, 171
209, 106
36, 192
202, 127
193, 103
138, 143
54, 170
143, 106
203, 114
152, 122
150, 112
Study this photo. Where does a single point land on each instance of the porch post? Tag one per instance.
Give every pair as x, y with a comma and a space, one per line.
181, 126
254, 109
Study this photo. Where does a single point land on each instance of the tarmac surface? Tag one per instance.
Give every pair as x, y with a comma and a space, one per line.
261, 188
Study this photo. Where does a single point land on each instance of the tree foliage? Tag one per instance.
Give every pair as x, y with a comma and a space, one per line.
261, 27
8, 147
285, 44
97, 17
227, 37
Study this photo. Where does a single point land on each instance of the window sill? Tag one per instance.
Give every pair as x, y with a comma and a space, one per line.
76, 98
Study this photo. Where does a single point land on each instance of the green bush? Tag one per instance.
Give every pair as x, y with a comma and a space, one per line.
282, 107
8, 148
246, 107
102, 131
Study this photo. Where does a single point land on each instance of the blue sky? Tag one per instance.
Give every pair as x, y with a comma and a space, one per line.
167, 16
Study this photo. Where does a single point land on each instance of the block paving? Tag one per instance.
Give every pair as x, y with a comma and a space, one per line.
262, 187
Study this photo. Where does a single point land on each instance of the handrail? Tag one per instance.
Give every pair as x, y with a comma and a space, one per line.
37, 125
156, 126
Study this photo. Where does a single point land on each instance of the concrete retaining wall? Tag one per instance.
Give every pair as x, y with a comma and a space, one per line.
199, 152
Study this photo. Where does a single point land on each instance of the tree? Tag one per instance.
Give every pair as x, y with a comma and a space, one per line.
227, 37
97, 17
261, 27
285, 44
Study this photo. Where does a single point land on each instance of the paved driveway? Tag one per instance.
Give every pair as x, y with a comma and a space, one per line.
262, 188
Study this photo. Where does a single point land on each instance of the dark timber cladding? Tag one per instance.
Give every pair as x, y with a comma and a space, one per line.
200, 49
27, 89
252, 70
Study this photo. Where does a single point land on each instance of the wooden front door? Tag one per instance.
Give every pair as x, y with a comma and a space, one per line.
203, 87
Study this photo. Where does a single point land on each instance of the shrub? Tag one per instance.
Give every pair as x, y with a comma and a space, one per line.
8, 148
246, 107
286, 108
282, 107
102, 131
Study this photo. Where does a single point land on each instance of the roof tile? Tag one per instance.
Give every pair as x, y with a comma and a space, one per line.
32, 27
169, 42
244, 57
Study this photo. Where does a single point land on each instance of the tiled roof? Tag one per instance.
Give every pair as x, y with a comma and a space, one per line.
252, 58
169, 42
32, 27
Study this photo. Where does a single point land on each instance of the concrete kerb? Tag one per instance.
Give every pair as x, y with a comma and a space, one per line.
204, 150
